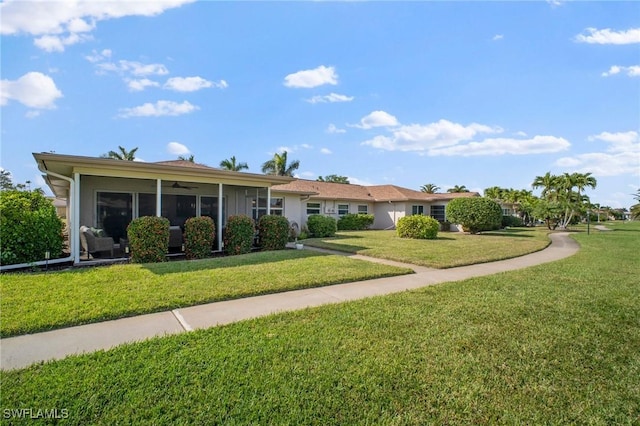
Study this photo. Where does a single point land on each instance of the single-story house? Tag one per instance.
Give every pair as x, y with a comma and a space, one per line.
107, 194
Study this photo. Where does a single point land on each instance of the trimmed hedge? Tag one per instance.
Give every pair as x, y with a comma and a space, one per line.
355, 222
148, 239
418, 227
321, 226
475, 214
512, 221
273, 232
29, 226
239, 234
199, 234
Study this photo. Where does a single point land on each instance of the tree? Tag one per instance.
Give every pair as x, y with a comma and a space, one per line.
635, 209
429, 188
123, 154
475, 214
6, 183
458, 188
494, 192
278, 165
185, 158
232, 165
333, 179
564, 194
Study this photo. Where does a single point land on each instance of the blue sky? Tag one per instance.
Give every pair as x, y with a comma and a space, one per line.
408, 93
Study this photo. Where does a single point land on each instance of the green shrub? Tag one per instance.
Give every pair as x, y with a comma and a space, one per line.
418, 226
148, 239
199, 233
29, 226
321, 226
273, 232
239, 234
475, 214
355, 222
511, 221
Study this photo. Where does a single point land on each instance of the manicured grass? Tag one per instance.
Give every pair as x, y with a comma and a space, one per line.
450, 249
555, 344
36, 302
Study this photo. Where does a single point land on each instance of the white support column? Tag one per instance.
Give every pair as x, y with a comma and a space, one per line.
268, 200
158, 197
75, 219
220, 218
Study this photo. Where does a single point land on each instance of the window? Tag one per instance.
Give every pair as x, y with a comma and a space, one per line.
417, 210
363, 209
114, 212
209, 207
277, 206
146, 205
507, 212
313, 208
343, 209
178, 208
437, 212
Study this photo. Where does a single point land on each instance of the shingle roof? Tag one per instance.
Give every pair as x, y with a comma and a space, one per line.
185, 163
375, 193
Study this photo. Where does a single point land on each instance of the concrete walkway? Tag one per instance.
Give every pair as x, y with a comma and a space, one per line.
22, 351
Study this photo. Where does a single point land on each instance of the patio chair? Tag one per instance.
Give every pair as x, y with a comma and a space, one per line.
93, 244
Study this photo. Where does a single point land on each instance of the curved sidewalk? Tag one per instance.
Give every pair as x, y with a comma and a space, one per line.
22, 351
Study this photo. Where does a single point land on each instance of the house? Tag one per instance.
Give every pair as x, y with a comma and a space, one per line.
107, 194
387, 203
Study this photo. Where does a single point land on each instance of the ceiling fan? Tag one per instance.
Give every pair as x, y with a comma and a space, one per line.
176, 185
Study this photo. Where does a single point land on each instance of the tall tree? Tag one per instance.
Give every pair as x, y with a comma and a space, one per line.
635, 209
121, 154
5, 180
429, 188
333, 179
564, 194
233, 165
278, 165
458, 188
494, 192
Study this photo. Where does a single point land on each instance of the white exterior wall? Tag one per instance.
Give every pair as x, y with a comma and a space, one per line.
386, 215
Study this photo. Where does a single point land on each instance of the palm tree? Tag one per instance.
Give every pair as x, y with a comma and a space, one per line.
430, 188
278, 165
548, 183
123, 154
635, 209
494, 192
333, 179
189, 158
458, 188
233, 165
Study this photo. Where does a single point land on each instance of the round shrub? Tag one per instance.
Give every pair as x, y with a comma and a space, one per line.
355, 222
148, 239
239, 234
273, 232
321, 226
418, 226
199, 233
475, 214
29, 226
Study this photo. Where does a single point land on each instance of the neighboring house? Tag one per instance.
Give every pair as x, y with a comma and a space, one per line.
107, 194
388, 203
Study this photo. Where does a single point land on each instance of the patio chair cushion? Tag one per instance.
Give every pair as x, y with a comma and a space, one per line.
91, 243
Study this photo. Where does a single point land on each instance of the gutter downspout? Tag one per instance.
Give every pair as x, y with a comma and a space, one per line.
72, 230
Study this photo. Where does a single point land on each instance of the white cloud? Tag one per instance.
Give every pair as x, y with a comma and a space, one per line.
632, 71
333, 129
176, 148
502, 146
326, 151
62, 23
607, 36
140, 85
497, 37
377, 119
160, 108
330, 98
622, 156
192, 84
34, 89
99, 56
312, 78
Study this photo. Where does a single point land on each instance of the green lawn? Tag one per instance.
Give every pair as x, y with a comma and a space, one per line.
554, 344
450, 249
36, 302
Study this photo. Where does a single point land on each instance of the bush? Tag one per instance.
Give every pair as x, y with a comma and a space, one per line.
29, 226
511, 221
199, 233
475, 214
355, 222
238, 235
273, 232
418, 226
321, 226
148, 239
